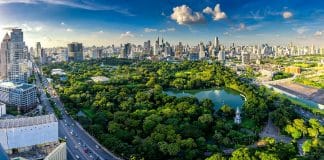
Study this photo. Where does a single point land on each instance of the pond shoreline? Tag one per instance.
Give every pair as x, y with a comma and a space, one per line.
218, 95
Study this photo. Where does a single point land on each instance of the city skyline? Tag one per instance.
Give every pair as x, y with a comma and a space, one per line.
105, 23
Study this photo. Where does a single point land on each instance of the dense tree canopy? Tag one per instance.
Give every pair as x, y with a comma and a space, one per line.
132, 116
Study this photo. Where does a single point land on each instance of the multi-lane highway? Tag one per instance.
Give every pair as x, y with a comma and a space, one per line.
80, 145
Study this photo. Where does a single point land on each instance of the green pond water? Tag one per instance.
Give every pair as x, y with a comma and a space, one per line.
218, 96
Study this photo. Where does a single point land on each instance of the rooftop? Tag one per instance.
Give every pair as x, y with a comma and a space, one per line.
23, 86
58, 71
100, 79
27, 121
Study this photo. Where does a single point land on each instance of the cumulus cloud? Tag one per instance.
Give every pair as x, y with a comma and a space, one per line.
127, 34
148, 30
184, 15
217, 12
39, 28
69, 30
287, 14
28, 27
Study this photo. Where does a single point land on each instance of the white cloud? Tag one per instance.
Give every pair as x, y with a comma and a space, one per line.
62, 23
101, 31
287, 14
217, 13
69, 30
39, 28
26, 28
167, 30
318, 33
301, 30
171, 29
127, 34
242, 26
148, 30
226, 34
184, 15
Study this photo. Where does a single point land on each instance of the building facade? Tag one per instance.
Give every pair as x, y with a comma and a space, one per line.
19, 133
4, 57
2, 109
23, 96
75, 52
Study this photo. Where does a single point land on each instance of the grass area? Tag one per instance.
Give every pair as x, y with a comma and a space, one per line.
281, 75
313, 78
305, 106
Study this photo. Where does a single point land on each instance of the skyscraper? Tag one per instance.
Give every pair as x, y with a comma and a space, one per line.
216, 44
17, 71
126, 51
156, 48
38, 50
221, 56
4, 57
75, 52
202, 53
147, 46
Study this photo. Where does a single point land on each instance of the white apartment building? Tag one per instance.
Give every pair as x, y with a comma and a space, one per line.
21, 95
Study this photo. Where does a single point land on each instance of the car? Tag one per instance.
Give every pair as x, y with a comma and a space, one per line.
97, 147
76, 156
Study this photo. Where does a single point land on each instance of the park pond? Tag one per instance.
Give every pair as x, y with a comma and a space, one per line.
218, 96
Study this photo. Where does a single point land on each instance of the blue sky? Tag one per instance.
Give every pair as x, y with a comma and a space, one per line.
105, 22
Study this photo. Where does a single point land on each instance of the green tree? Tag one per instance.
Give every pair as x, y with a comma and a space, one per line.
216, 156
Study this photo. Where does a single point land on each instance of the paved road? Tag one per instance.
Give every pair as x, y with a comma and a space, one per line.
80, 145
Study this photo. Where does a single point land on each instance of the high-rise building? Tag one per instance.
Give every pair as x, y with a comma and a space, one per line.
125, 51
245, 58
221, 56
17, 68
43, 56
156, 49
75, 52
4, 57
202, 53
216, 43
147, 46
38, 50
23, 95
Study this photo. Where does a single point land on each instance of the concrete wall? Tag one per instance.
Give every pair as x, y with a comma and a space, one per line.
29, 135
59, 153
